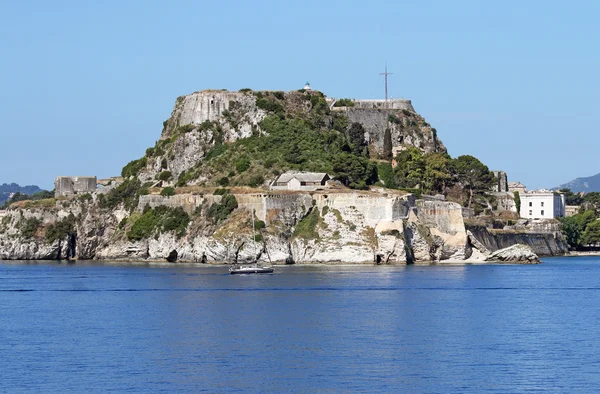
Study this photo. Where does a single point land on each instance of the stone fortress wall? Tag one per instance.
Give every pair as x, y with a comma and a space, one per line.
69, 185
289, 208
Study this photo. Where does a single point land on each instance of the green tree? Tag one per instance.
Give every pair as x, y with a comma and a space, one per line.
591, 234
167, 191
571, 230
437, 175
472, 175
517, 200
387, 144
356, 138
570, 197
410, 168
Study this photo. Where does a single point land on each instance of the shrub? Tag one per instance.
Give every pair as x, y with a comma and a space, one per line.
219, 212
392, 118
224, 181
242, 164
185, 128
160, 219
29, 227
61, 229
345, 102
307, 227
164, 163
165, 176
256, 180
216, 151
134, 167
270, 105
167, 191
259, 225
127, 192
205, 126
245, 90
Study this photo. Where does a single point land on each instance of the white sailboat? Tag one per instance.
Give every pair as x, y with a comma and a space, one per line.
251, 268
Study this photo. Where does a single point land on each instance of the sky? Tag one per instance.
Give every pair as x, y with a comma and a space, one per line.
85, 85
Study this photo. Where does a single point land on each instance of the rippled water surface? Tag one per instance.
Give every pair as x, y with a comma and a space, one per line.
89, 327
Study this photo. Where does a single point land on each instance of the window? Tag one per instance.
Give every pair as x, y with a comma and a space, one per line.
530, 204
542, 212
530, 212
542, 204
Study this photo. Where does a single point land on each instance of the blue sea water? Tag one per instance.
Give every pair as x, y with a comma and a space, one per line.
91, 327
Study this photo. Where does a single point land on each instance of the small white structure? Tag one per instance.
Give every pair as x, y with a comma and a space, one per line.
542, 204
300, 181
307, 86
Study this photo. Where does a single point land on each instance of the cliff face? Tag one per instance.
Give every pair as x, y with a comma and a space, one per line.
343, 227
406, 127
542, 243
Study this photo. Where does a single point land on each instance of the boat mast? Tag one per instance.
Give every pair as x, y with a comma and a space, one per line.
253, 233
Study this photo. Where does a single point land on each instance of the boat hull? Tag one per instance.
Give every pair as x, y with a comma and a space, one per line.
259, 270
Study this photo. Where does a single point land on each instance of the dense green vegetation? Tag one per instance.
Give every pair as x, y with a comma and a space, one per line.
583, 229
293, 144
307, 227
345, 102
158, 220
29, 227
61, 229
127, 192
218, 212
25, 197
435, 173
134, 167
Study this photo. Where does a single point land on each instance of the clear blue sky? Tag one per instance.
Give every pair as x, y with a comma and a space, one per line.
86, 85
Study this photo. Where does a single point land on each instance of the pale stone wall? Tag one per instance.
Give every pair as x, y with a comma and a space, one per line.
445, 216
506, 201
501, 182
571, 210
382, 104
67, 185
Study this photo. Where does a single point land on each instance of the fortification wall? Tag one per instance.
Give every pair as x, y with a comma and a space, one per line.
445, 216
209, 105
67, 185
376, 121
373, 208
382, 104
188, 202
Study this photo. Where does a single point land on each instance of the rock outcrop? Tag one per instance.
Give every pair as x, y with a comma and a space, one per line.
518, 253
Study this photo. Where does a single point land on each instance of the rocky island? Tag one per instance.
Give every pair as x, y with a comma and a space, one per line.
323, 181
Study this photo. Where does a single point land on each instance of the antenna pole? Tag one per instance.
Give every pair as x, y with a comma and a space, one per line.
385, 76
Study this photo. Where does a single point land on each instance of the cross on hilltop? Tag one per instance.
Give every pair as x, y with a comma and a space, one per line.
385, 75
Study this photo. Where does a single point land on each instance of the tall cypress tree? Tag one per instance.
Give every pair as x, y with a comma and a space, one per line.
387, 144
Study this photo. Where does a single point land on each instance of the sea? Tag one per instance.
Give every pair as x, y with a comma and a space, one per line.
90, 327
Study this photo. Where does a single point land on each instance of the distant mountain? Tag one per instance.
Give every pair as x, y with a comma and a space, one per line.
6, 189
586, 184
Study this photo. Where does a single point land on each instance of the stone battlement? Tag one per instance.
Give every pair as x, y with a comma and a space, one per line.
382, 104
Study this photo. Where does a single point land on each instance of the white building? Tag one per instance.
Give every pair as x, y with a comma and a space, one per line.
300, 181
542, 204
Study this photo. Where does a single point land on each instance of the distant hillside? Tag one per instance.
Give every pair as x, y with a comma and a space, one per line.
585, 184
6, 189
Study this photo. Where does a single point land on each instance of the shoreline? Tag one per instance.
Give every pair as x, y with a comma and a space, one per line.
191, 264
